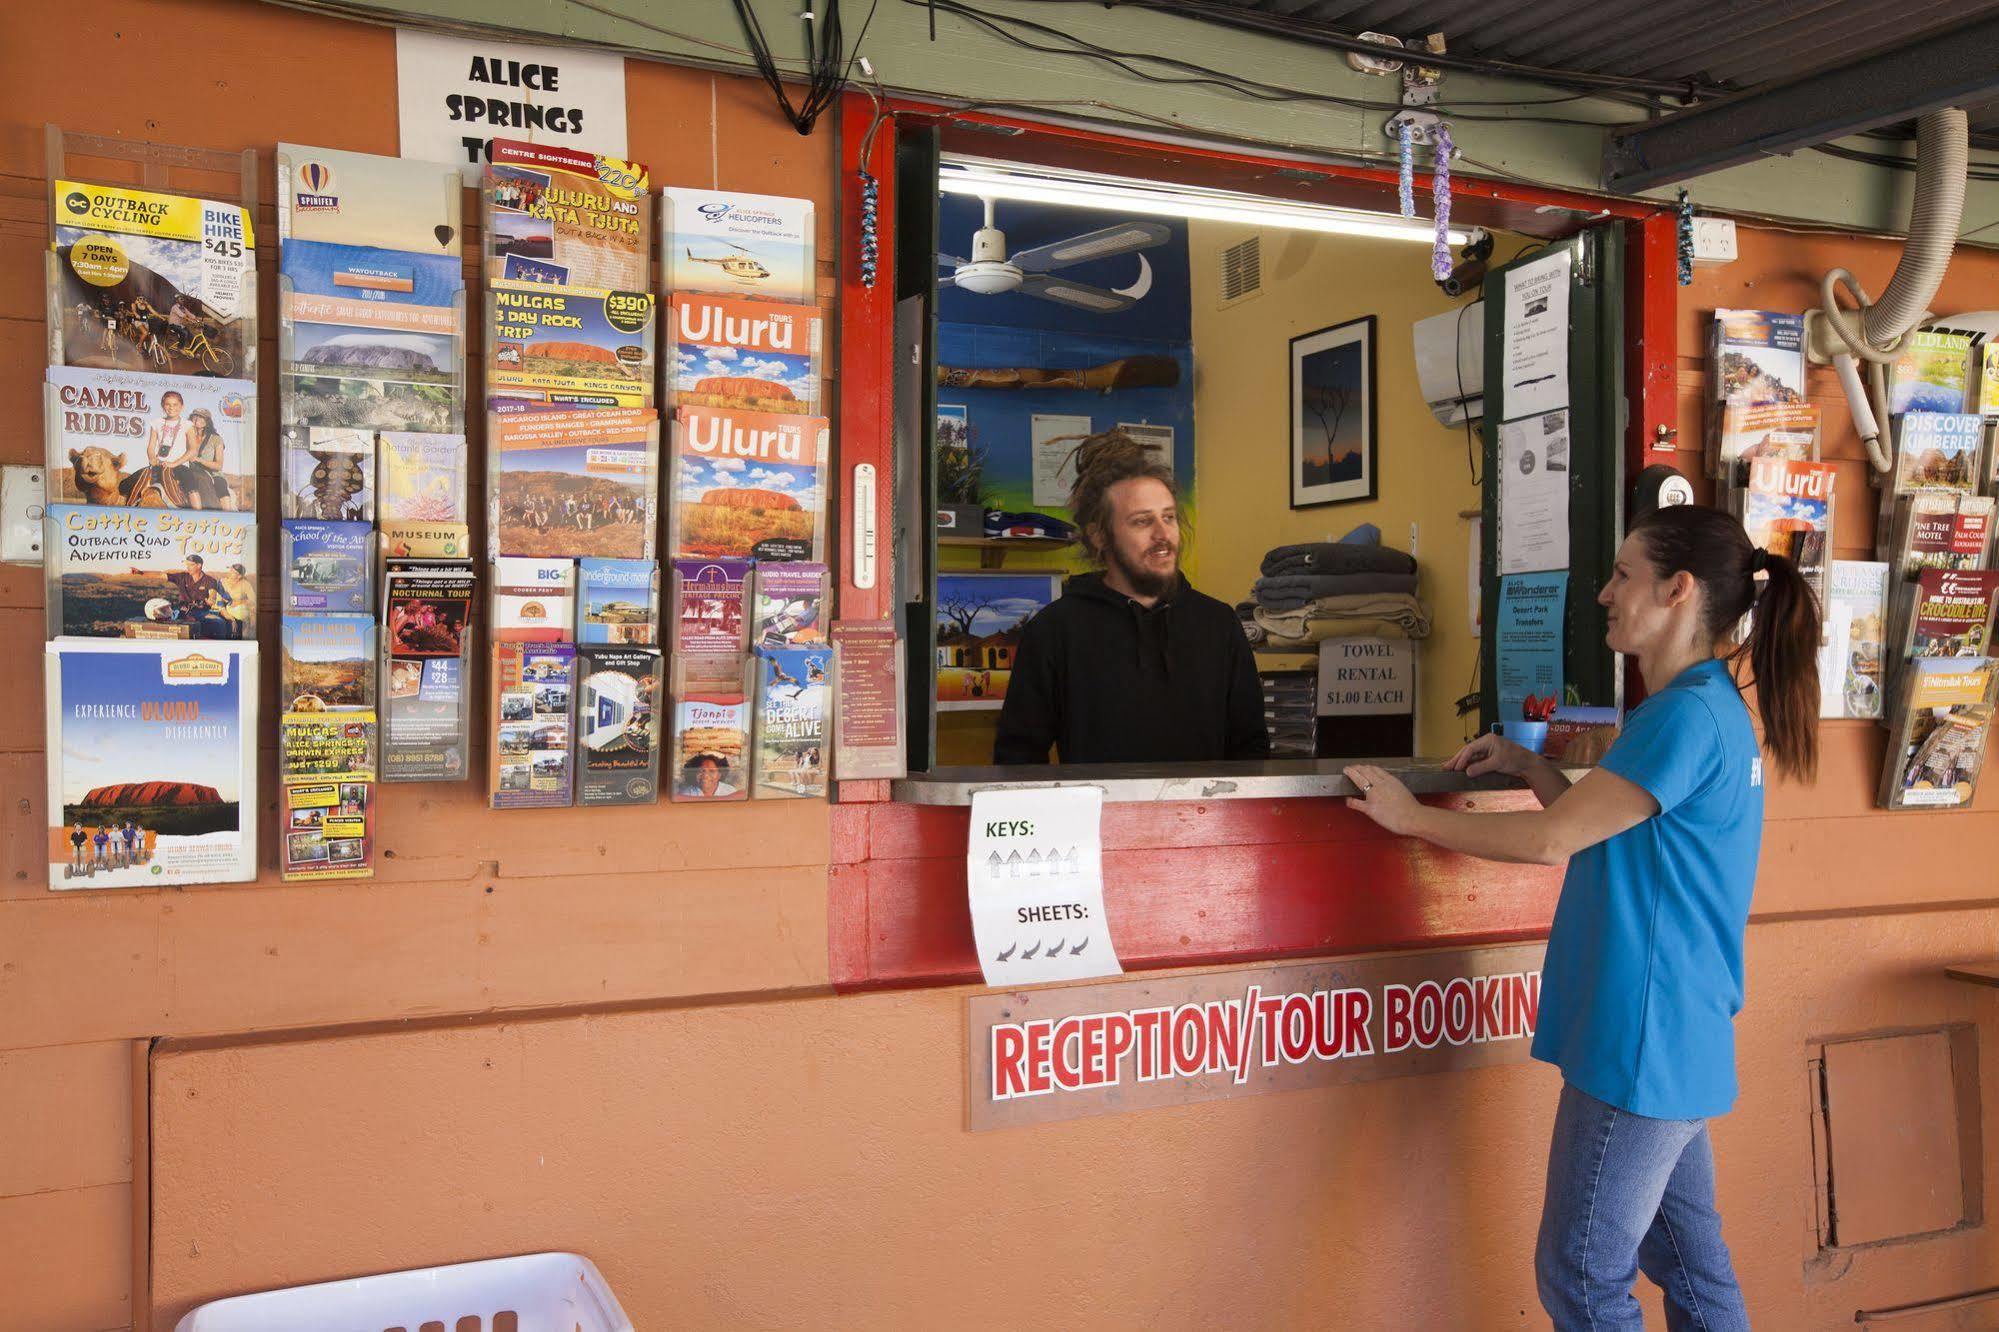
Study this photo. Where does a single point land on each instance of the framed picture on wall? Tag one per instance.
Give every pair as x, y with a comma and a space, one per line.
1332, 451
979, 619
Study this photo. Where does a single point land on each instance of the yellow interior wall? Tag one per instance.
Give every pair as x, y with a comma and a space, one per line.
1241, 450
1313, 281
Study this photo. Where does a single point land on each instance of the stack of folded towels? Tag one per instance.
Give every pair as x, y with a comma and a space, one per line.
1351, 588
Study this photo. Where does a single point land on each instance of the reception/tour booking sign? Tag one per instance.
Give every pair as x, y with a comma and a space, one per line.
1063, 1052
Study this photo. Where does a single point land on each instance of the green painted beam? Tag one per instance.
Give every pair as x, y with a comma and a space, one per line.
967, 63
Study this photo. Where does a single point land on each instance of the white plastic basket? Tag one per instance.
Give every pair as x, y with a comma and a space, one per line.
536, 1292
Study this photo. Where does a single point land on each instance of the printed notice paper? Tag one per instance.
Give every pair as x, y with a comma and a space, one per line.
1534, 357
1530, 640
1036, 880
1534, 494
1054, 440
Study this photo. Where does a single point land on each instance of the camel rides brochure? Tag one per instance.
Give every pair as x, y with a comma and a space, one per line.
152, 763
152, 441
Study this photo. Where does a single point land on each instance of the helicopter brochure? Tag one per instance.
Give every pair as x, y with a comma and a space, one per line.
737, 244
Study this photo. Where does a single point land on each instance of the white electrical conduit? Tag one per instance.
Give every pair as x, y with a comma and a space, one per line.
1943, 153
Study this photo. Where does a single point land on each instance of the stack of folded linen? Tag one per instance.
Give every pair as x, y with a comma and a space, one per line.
1355, 588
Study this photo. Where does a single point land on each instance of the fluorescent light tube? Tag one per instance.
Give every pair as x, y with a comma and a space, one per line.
1155, 201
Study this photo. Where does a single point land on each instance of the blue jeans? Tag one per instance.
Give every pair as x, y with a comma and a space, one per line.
1627, 1193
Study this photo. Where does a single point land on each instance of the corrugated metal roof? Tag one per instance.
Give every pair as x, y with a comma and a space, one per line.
1738, 43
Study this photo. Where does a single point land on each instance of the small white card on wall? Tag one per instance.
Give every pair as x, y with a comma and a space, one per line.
1035, 879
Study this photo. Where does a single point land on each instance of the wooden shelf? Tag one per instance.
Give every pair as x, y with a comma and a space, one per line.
992, 550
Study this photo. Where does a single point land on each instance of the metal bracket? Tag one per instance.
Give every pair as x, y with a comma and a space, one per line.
21, 498
1416, 94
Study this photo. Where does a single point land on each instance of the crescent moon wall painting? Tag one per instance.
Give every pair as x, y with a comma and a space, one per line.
1331, 459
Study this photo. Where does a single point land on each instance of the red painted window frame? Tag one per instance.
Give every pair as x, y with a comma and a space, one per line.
1185, 883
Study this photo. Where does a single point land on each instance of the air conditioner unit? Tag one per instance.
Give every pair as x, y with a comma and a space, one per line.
1450, 363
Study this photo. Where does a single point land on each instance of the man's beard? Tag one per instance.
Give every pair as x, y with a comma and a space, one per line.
1142, 580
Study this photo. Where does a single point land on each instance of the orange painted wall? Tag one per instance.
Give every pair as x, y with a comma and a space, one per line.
611, 1032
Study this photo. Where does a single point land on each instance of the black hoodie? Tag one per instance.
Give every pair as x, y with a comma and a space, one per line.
1107, 680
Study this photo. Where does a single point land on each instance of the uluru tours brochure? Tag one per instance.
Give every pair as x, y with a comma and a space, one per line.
146, 440
152, 772
572, 484
147, 280
730, 351
150, 573
748, 484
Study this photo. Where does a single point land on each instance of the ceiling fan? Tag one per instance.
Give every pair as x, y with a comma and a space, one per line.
991, 270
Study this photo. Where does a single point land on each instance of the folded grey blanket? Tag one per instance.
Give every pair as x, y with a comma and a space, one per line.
1335, 557
1301, 588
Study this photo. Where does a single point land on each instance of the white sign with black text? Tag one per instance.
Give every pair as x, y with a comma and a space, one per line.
1035, 880
1367, 677
455, 95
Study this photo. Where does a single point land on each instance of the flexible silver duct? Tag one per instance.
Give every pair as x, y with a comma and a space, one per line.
1943, 153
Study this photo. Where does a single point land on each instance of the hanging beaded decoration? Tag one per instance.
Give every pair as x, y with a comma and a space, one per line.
870, 245
1686, 238
1440, 196
1406, 186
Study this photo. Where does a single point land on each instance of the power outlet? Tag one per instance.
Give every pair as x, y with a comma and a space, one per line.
1714, 240
21, 498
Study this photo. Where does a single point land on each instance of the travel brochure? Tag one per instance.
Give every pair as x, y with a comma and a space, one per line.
151, 281
534, 600
1851, 674
328, 663
710, 736
557, 216
1758, 360
317, 746
1932, 376
793, 684
424, 732
147, 440
709, 643
1787, 509
617, 601
748, 485
732, 351
328, 566
150, 573
152, 763
326, 830
553, 345
736, 244
1939, 733
617, 725
530, 762
427, 611
328, 473
420, 477
572, 484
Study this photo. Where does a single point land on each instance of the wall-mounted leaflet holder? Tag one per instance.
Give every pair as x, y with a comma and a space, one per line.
151, 282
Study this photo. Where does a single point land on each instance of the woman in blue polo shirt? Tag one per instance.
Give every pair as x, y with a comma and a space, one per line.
1643, 975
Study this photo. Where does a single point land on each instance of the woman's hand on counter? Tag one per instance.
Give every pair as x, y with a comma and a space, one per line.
1495, 753
1492, 753
1383, 798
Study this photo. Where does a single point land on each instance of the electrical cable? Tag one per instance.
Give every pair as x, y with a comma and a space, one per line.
1197, 75
829, 64
1233, 15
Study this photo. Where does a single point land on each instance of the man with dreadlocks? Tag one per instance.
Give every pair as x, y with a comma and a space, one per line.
1131, 665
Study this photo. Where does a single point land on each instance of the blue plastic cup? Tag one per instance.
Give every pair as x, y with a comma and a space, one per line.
1531, 736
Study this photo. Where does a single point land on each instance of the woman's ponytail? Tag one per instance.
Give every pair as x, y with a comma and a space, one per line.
1783, 641
1783, 652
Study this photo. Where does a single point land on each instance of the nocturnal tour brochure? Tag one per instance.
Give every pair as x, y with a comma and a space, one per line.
152, 281
152, 772
147, 440
151, 573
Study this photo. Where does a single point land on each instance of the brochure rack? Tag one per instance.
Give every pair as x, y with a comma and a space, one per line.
149, 528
